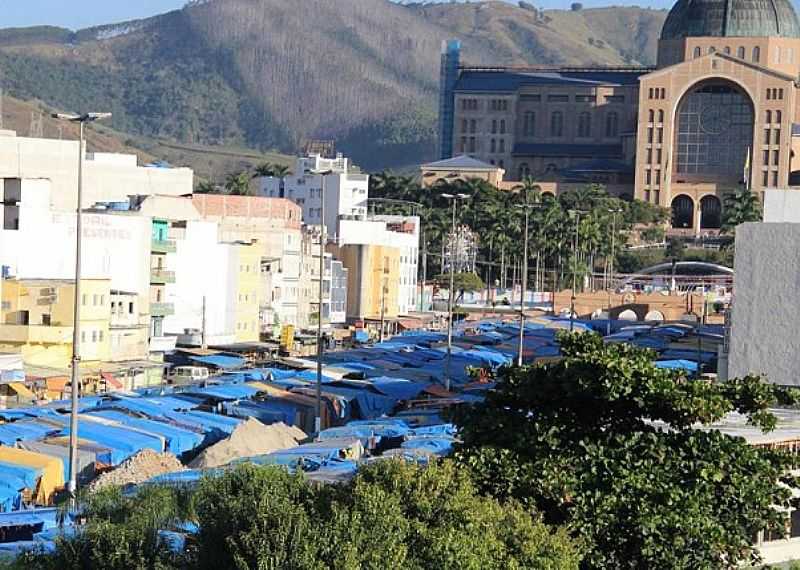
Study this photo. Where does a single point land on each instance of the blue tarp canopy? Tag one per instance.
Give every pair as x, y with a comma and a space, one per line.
687, 365
179, 440
223, 361
267, 412
436, 445
207, 422
19, 476
117, 438
24, 430
227, 391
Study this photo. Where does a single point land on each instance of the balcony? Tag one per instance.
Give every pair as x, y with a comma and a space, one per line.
162, 309
162, 246
161, 276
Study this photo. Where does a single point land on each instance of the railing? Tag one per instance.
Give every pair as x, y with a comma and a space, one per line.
163, 246
161, 276
162, 309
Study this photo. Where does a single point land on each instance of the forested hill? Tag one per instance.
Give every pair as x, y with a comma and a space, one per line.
269, 74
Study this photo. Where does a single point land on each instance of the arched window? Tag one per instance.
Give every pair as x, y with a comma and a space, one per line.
651, 116
740, 52
502, 126
756, 54
584, 125
778, 117
493, 146
612, 124
727, 50
661, 116
768, 120
530, 124
557, 124
524, 171
697, 51
712, 49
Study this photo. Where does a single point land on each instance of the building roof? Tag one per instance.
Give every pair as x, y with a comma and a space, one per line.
511, 79
731, 18
462, 162
576, 150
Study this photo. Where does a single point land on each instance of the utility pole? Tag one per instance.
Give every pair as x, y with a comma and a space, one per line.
383, 300
424, 273
318, 418
72, 484
610, 284
203, 339
577, 214
451, 292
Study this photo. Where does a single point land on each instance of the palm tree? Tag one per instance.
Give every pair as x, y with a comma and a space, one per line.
740, 206
280, 171
264, 170
238, 184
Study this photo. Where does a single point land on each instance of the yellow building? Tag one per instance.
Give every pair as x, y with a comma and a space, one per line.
248, 293
370, 269
36, 320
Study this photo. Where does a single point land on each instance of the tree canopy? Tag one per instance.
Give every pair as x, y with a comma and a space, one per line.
392, 515
740, 206
613, 447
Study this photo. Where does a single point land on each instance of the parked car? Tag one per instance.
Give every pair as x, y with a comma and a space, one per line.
188, 375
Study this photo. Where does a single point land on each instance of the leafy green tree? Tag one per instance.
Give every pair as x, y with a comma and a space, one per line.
675, 249
238, 184
205, 187
463, 282
739, 207
607, 444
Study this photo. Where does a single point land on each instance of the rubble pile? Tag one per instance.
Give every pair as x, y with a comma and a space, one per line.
250, 438
137, 469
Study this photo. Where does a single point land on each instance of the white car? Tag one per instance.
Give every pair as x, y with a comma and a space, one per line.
188, 374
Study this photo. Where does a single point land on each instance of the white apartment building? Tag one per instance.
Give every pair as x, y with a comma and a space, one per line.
346, 192
401, 232
106, 177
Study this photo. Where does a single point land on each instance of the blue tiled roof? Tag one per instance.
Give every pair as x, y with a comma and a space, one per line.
579, 150
511, 80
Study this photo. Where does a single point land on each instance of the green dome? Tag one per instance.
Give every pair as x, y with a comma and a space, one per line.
731, 18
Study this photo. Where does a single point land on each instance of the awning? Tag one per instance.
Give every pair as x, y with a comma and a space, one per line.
22, 390
57, 384
111, 381
220, 361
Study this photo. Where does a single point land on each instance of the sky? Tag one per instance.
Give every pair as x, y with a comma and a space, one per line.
77, 14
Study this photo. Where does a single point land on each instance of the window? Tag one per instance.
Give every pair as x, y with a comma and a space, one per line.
740, 52
712, 49
663, 93
558, 98
661, 116
84, 299
778, 117
464, 125
697, 51
649, 155
494, 126
100, 336
102, 300
660, 135
502, 145
780, 93
648, 176
472, 144
530, 123
651, 93
473, 126
94, 336
651, 115
777, 139
658, 177
612, 124
585, 125
615, 98
768, 120
756, 54
524, 171
775, 179
766, 136
95, 300
557, 124
83, 336
727, 50
765, 154
775, 157
502, 126
584, 98
493, 146
650, 135
463, 145
765, 180
658, 155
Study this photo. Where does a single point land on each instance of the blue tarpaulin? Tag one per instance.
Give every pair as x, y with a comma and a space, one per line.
687, 365
179, 440
223, 361
267, 412
227, 391
437, 445
209, 423
23, 430
117, 438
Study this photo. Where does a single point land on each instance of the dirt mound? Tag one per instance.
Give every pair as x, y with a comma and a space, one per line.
137, 469
248, 439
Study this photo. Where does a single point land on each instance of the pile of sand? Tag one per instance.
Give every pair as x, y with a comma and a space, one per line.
248, 439
137, 469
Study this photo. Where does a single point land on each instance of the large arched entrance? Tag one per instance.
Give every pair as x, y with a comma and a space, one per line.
713, 132
710, 213
682, 212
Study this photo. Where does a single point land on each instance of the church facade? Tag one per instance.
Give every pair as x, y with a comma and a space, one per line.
720, 111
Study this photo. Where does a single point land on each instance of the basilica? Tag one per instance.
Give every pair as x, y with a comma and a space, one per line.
718, 112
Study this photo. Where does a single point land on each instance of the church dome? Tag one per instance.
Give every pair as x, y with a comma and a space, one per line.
731, 18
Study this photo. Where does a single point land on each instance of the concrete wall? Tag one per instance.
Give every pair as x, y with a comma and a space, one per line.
106, 177
782, 206
764, 328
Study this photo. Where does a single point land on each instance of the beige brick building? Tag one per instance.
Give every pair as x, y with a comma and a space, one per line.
720, 111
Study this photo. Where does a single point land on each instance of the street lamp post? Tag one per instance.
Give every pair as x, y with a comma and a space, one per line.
451, 293
577, 214
527, 207
81, 120
614, 212
318, 418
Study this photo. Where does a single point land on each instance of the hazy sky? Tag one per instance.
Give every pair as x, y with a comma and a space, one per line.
76, 14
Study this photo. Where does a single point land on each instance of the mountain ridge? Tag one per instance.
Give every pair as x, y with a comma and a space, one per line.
271, 74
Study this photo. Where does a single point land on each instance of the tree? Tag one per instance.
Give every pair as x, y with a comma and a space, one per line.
205, 187
238, 184
393, 514
740, 206
675, 249
606, 443
464, 282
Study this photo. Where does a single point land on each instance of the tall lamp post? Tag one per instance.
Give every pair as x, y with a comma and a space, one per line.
577, 215
527, 207
451, 294
609, 286
81, 120
318, 418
